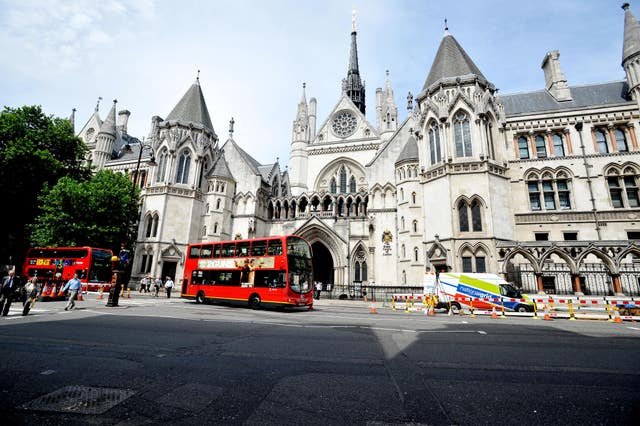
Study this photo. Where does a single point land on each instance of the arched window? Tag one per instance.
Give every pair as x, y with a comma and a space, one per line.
416, 254
402, 223
404, 252
601, 141
183, 167
476, 217
462, 135
558, 145
343, 180
413, 197
352, 184
401, 194
332, 186
162, 166
218, 204
621, 140
541, 147
364, 270
434, 143
415, 226
473, 262
523, 148
463, 217
156, 222
623, 189
215, 228
148, 225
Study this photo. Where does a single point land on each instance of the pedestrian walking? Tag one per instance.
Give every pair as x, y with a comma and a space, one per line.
144, 282
31, 290
318, 289
9, 285
168, 286
74, 286
157, 283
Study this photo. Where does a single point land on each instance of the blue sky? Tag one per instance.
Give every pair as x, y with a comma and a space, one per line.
253, 56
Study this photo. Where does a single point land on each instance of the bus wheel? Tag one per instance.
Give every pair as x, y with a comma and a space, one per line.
455, 308
200, 297
254, 301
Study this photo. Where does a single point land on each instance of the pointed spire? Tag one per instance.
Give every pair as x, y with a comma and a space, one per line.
352, 85
353, 19
631, 44
192, 108
198, 78
72, 120
109, 124
304, 93
388, 88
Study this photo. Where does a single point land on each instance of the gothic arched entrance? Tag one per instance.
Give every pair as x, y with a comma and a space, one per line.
322, 264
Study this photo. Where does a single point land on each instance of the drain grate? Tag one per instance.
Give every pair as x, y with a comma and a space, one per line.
79, 399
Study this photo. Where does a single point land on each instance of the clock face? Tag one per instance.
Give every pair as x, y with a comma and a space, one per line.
344, 124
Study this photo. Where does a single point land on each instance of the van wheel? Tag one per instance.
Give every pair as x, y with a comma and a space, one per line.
254, 301
455, 308
522, 308
200, 297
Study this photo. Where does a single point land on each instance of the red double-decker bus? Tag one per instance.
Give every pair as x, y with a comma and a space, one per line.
273, 271
54, 266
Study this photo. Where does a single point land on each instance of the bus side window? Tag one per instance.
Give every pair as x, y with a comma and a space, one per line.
258, 248
274, 248
216, 250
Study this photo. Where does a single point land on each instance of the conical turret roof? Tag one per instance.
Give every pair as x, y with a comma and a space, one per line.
451, 61
192, 108
631, 44
109, 124
409, 152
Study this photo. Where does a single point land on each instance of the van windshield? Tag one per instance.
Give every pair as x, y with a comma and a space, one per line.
507, 290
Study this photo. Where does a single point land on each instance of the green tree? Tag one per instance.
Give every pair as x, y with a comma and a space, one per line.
35, 150
96, 212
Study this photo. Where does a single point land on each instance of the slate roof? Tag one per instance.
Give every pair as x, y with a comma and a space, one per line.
451, 61
221, 169
192, 108
583, 96
409, 152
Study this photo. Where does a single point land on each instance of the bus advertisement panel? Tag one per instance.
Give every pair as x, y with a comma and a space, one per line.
54, 266
273, 271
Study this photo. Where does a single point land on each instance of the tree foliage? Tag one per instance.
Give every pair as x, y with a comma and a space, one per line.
94, 212
35, 150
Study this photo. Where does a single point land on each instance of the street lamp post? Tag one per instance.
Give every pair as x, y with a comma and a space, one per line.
129, 255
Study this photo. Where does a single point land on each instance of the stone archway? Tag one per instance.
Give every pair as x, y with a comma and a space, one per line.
322, 264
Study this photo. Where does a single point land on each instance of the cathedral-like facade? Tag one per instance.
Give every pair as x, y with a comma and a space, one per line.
542, 187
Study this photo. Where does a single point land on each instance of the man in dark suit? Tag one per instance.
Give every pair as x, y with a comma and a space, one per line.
9, 286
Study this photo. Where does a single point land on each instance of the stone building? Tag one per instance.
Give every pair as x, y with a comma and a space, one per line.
540, 186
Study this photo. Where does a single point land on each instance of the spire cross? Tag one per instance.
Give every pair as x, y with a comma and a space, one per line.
231, 122
446, 27
98, 103
198, 77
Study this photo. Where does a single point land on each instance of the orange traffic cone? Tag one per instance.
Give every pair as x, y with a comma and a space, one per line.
494, 314
616, 312
373, 308
128, 294
547, 316
100, 295
61, 292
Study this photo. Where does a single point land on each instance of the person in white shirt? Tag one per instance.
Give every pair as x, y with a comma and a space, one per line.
168, 286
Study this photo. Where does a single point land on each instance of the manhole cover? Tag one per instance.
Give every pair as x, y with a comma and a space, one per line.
79, 399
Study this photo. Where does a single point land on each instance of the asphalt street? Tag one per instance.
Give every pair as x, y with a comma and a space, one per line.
158, 361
